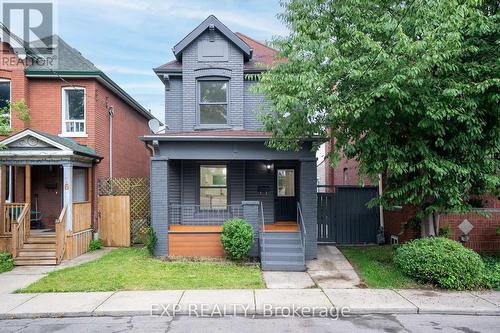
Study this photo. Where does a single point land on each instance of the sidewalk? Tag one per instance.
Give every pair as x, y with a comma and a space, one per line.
248, 302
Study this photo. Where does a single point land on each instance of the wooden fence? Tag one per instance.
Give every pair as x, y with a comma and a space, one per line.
82, 218
114, 220
138, 191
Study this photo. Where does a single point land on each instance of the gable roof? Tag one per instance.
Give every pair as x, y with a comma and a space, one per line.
211, 21
70, 63
64, 144
263, 57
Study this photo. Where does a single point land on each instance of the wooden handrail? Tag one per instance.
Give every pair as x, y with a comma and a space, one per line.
20, 230
60, 234
10, 214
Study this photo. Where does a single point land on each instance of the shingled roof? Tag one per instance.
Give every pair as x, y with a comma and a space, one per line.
263, 57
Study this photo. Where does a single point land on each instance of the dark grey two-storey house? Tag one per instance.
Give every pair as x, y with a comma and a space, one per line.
212, 164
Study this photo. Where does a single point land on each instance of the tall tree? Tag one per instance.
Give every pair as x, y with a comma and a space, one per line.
408, 88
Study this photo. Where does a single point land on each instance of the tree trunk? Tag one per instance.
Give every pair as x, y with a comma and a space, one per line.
430, 225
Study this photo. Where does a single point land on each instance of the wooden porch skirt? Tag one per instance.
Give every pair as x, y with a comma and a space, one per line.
195, 241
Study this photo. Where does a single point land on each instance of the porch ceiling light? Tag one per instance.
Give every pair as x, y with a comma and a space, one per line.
269, 166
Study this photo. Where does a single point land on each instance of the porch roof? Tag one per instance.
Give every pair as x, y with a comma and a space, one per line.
31, 143
210, 135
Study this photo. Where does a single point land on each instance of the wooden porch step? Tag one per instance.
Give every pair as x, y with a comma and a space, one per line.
36, 254
39, 246
35, 261
41, 240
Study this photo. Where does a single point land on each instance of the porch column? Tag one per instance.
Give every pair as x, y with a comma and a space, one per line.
68, 194
308, 203
3, 186
251, 213
159, 203
27, 184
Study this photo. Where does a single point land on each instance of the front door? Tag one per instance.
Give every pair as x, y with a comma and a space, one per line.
285, 201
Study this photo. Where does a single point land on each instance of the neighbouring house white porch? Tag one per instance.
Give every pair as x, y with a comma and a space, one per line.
46, 198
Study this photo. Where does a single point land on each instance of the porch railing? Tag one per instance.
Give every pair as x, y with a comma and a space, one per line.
82, 216
302, 226
197, 215
10, 215
20, 229
60, 234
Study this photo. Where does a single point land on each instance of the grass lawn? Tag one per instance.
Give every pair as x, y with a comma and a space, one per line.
133, 269
375, 267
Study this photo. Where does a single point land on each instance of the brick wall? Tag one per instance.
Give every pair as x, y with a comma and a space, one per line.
482, 238
335, 176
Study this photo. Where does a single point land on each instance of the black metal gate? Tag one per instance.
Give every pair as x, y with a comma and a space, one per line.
344, 218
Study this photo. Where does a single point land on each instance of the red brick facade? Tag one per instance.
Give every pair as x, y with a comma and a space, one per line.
482, 238
44, 98
344, 173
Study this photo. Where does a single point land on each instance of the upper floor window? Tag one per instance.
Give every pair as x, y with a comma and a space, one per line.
73, 111
213, 102
5, 98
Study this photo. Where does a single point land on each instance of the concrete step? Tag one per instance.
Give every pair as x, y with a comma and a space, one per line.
280, 234
284, 247
288, 257
283, 266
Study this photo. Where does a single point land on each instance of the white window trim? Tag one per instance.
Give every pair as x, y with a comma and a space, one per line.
10, 99
200, 186
63, 112
199, 103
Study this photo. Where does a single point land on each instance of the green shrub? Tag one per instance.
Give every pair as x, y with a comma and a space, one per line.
6, 262
237, 238
95, 244
151, 240
440, 261
491, 276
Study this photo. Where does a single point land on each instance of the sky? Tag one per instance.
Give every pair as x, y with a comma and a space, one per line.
127, 38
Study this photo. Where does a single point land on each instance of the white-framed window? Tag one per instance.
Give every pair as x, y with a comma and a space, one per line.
5, 98
213, 187
8, 183
285, 182
73, 111
213, 101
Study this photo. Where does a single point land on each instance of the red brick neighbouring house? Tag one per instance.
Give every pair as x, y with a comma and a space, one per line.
482, 238
65, 147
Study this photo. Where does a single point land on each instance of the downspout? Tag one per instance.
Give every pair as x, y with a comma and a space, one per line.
111, 113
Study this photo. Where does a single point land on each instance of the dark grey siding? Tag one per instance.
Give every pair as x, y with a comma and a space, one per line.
258, 176
191, 175
173, 104
253, 107
192, 69
174, 182
159, 203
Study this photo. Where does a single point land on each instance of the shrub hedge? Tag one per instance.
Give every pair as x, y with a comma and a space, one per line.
6, 262
237, 238
442, 262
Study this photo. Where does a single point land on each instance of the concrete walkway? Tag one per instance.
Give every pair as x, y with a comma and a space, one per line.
268, 302
331, 270
23, 276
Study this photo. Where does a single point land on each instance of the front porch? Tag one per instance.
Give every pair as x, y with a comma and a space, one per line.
46, 199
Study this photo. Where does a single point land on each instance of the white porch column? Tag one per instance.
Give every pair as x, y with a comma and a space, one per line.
68, 194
